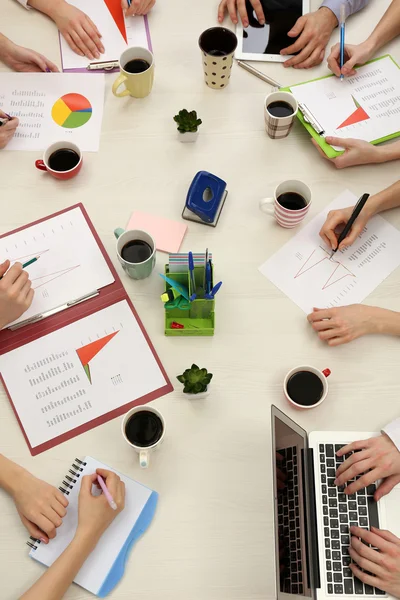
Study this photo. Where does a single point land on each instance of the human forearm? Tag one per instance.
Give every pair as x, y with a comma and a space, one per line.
10, 473
48, 7
384, 200
5, 45
387, 322
352, 6
53, 584
387, 28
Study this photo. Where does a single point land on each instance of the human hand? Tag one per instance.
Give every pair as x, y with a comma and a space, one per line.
356, 152
41, 506
354, 55
26, 60
79, 31
373, 459
94, 512
315, 30
239, 6
16, 294
336, 221
343, 324
137, 7
381, 567
7, 131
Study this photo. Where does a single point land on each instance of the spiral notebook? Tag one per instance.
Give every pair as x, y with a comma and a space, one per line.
105, 566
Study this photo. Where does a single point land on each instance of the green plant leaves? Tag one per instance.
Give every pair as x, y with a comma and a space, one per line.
187, 121
195, 380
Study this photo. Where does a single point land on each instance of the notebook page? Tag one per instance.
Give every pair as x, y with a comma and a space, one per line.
99, 563
112, 40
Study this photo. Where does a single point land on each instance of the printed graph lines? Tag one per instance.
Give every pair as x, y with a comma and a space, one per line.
28, 256
318, 256
52, 276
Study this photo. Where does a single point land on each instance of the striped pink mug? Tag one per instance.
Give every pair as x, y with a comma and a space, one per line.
290, 204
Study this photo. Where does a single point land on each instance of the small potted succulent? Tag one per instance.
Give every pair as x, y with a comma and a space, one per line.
188, 125
196, 382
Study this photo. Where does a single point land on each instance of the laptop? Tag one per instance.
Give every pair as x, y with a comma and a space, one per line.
312, 515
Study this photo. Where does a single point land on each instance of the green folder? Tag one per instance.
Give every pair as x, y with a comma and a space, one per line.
329, 151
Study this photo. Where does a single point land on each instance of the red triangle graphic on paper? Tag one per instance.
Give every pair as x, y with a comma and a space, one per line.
114, 6
356, 117
87, 353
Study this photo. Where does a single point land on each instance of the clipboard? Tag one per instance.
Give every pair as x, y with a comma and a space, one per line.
327, 149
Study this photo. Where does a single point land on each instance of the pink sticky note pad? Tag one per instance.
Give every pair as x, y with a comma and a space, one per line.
167, 234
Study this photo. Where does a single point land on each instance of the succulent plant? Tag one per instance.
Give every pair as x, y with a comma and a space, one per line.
187, 121
195, 380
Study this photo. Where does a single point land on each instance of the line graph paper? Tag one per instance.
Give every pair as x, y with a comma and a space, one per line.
318, 256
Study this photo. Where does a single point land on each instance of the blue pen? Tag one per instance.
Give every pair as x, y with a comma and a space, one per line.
192, 279
342, 30
215, 289
208, 279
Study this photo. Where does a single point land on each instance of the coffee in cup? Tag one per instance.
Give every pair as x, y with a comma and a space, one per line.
306, 387
63, 160
143, 428
136, 251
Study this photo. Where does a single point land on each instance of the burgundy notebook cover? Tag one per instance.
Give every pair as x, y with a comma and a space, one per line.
10, 340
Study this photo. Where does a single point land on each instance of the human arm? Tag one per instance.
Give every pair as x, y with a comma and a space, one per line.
40, 506
359, 152
94, 516
23, 59
137, 7
235, 7
7, 131
351, 6
16, 293
387, 29
79, 31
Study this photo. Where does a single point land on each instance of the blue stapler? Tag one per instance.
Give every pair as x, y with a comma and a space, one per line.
205, 199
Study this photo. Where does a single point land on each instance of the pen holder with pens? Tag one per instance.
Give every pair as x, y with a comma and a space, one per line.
190, 318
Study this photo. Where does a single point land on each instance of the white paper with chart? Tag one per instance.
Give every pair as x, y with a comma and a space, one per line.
70, 263
302, 269
80, 372
53, 107
365, 106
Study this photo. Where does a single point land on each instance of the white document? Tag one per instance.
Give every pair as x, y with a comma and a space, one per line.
80, 372
53, 107
112, 40
101, 561
70, 263
303, 271
366, 106
136, 32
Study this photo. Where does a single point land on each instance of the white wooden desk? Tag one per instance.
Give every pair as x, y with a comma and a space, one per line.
212, 537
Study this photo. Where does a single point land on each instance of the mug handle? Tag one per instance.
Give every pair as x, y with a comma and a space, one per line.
267, 206
326, 372
119, 81
118, 232
144, 459
39, 164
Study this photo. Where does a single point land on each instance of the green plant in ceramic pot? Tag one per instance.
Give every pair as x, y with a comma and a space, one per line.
188, 125
196, 382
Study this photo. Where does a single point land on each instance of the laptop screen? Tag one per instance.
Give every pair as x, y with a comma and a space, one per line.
289, 448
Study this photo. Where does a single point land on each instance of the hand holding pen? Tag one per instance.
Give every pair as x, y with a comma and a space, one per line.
353, 55
344, 219
8, 126
16, 293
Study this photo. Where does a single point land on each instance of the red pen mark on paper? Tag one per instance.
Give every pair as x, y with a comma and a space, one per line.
52, 276
315, 259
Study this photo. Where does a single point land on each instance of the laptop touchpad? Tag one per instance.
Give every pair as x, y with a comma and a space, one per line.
392, 503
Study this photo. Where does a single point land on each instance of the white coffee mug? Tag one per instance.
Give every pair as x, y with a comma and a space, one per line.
284, 216
279, 127
322, 376
143, 451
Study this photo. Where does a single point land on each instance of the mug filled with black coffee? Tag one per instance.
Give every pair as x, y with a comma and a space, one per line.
63, 160
136, 252
137, 73
217, 46
306, 387
280, 110
290, 203
143, 429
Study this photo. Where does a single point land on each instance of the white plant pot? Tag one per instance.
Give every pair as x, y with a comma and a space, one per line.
197, 396
189, 136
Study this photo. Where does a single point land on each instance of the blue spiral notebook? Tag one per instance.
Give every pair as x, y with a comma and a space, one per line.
105, 566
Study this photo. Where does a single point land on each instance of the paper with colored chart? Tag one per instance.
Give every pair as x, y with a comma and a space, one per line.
301, 269
80, 373
53, 107
366, 106
70, 263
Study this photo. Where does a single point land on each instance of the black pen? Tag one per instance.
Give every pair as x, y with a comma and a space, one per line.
357, 209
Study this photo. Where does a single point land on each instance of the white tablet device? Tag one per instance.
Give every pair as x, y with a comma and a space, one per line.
264, 42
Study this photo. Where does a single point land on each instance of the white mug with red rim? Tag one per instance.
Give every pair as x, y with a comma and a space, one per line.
43, 165
284, 216
321, 374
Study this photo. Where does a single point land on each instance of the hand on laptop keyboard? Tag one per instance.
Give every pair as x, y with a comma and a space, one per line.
380, 563
365, 462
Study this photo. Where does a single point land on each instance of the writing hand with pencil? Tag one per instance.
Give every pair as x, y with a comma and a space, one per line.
353, 55
336, 222
137, 7
7, 129
16, 293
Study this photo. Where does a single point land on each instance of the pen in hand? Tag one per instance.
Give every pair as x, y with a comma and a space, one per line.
106, 493
342, 32
357, 209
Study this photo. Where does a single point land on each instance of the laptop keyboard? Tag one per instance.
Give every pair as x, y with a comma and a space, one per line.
340, 512
289, 524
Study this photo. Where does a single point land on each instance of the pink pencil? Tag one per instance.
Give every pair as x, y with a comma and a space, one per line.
107, 494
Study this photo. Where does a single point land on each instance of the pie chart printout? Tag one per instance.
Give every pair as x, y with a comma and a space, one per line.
71, 111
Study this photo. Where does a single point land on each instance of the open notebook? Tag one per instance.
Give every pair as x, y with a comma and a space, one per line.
105, 566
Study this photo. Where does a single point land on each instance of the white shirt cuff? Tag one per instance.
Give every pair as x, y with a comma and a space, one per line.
393, 431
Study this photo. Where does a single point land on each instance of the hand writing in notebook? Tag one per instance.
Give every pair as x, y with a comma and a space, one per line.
94, 516
16, 294
137, 7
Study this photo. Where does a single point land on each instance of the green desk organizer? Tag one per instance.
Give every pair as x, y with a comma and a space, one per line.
199, 319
